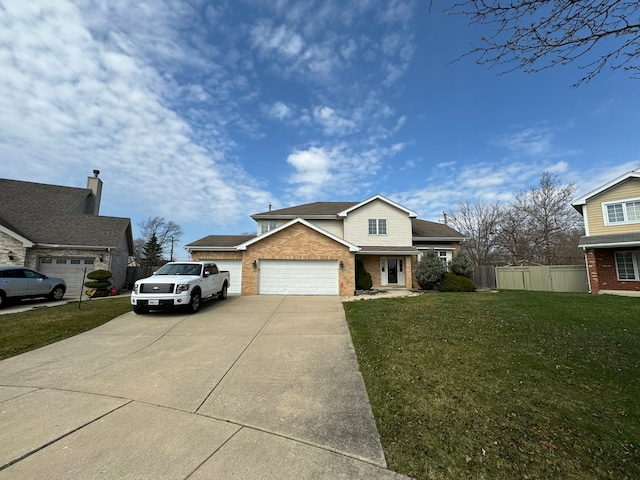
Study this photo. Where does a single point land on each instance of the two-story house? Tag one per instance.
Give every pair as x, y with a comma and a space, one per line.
312, 249
612, 235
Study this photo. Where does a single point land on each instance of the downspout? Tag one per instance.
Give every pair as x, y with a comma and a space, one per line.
586, 263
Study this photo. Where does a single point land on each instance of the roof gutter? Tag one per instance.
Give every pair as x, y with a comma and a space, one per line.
201, 248
611, 245
439, 239
75, 247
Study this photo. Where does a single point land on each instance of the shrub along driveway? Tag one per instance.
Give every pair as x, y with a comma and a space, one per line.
503, 385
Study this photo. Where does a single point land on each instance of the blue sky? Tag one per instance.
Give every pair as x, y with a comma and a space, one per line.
206, 112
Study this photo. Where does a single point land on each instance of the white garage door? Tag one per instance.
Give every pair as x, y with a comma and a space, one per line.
298, 277
235, 273
71, 270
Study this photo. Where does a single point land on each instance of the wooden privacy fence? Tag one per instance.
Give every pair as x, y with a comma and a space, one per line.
548, 278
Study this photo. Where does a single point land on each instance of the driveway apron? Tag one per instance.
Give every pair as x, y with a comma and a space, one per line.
250, 387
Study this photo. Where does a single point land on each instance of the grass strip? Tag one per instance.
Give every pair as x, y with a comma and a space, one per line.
25, 331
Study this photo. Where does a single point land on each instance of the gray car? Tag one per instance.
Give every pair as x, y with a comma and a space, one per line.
20, 282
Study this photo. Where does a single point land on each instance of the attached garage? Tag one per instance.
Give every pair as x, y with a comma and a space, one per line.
298, 277
71, 270
235, 272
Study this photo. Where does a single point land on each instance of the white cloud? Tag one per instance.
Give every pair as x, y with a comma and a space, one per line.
529, 141
278, 111
72, 100
332, 123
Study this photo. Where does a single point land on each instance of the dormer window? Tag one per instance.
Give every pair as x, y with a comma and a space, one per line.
622, 212
377, 226
267, 226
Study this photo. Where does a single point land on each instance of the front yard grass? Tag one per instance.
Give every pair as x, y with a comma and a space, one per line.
503, 385
24, 331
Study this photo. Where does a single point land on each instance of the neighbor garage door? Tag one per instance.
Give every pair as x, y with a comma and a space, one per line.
71, 270
235, 273
298, 277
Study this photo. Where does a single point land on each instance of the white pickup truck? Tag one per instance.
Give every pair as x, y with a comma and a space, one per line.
180, 284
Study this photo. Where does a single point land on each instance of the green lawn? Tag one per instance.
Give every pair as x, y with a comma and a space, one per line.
503, 385
24, 331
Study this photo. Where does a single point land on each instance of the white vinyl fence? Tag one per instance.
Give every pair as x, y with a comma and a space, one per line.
549, 278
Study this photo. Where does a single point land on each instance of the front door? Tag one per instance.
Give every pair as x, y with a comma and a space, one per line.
392, 271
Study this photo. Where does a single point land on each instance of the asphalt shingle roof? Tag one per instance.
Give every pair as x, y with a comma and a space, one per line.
221, 241
308, 210
425, 228
630, 238
44, 214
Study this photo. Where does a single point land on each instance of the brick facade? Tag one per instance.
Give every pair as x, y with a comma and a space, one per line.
372, 265
601, 265
198, 256
297, 242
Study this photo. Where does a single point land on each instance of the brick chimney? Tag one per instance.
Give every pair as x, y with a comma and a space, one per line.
95, 185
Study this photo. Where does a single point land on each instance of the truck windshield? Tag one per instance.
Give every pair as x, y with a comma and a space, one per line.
179, 269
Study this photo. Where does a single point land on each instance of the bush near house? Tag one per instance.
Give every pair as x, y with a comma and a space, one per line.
455, 283
462, 264
429, 270
99, 283
363, 278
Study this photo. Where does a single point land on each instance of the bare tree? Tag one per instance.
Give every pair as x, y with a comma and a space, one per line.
166, 232
479, 222
539, 226
533, 35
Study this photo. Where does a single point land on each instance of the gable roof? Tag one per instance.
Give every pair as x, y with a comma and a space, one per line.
326, 210
423, 229
346, 211
578, 202
43, 215
352, 247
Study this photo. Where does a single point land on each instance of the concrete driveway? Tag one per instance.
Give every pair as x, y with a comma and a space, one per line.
251, 387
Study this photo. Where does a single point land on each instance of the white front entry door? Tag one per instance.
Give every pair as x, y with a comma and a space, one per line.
392, 271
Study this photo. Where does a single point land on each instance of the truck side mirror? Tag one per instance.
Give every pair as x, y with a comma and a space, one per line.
206, 274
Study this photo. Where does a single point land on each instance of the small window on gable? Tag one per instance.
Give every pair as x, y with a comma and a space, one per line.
622, 212
267, 226
377, 226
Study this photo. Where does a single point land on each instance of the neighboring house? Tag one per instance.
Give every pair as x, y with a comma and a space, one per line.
312, 249
612, 240
58, 231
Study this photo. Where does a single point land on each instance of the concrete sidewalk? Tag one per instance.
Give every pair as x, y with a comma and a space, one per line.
251, 387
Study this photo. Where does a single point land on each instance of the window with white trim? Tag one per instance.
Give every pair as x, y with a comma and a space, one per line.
267, 226
622, 212
377, 226
442, 255
627, 264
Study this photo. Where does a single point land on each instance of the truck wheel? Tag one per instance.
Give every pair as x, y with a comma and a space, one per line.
223, 293
194, 304
140, 310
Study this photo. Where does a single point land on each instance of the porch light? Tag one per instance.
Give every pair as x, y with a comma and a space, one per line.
341, 265
10, 255
101, 257
255, 264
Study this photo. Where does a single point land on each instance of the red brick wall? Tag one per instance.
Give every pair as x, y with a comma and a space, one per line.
601, 265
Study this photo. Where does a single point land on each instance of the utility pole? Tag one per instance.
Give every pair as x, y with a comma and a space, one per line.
171, 249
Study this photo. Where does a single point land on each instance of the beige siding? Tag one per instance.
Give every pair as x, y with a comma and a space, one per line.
626, 190
356, 225
334, 227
